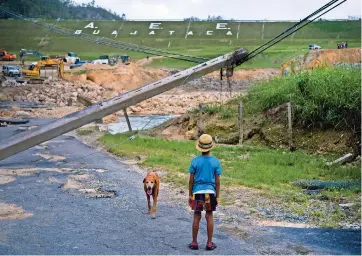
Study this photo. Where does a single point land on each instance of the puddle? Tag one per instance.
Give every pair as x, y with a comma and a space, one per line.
11, 211
137, 123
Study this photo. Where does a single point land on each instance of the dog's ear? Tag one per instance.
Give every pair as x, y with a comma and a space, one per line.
144, 180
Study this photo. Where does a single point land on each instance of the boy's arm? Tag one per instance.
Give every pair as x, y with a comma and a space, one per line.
217, 181
191, 184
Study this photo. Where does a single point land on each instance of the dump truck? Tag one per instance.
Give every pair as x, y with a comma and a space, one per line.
4, 55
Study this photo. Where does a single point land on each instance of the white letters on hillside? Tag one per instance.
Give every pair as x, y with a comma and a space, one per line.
90, 25
155, 26
221, 26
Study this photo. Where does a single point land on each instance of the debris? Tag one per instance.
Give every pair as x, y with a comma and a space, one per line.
341, 160
316, 184
347, 205
14, 121
21, 113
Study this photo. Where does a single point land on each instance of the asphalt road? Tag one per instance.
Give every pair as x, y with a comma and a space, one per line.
70, 223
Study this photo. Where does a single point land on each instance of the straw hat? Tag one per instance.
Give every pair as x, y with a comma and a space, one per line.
204, 143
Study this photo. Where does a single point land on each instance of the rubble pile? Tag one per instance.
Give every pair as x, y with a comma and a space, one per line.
60, 93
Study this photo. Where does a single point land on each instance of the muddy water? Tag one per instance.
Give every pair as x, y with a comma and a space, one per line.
137, 123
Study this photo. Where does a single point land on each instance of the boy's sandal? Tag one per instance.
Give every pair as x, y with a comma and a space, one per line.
194, 246
210, 246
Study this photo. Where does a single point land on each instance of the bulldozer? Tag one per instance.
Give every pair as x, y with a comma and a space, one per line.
33, 70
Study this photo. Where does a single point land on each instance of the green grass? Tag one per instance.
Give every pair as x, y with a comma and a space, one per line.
19, 34
325, 96
255, 167
84, 132
268, 171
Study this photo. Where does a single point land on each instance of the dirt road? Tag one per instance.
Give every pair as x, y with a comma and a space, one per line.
54, 200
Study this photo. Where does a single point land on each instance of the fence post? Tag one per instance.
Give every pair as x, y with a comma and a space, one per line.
290, 136
127, 119
240, 122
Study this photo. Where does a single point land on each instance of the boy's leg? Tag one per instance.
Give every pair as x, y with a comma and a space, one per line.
195, 226
210, 225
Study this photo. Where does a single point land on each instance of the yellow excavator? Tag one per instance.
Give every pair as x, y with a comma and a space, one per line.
33, 70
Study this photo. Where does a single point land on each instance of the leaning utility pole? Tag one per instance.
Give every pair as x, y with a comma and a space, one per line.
25, 140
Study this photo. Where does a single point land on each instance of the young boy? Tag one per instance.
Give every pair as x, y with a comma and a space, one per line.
204, 189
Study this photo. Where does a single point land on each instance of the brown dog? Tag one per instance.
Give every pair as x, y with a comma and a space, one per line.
152, 187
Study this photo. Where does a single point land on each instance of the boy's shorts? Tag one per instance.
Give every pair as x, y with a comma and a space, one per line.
202, 202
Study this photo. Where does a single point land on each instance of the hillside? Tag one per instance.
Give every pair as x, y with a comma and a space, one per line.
207, 39
54, 9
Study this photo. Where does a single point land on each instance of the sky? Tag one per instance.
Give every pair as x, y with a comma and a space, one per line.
237, 9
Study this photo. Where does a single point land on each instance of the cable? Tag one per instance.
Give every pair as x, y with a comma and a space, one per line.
256, 51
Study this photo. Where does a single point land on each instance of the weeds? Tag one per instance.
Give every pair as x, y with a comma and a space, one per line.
324, 98
84, 132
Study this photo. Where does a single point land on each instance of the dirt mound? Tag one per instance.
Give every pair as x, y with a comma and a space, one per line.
120, 77
89, 66
331, 57
252, 74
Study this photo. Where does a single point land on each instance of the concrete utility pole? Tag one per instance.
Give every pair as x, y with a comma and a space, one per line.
25, 140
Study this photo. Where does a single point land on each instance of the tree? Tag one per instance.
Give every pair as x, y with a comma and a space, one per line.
192, 18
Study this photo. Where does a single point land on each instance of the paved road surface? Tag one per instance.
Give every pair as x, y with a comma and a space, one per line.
66, 223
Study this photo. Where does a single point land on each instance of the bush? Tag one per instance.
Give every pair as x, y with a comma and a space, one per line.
323, 97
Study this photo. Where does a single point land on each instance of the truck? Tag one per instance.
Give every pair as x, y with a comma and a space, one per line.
104, 59
4, 55
78, 63
12, 71
314, 47
112, 60
71, 58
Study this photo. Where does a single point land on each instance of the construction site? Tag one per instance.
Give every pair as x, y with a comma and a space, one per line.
87, 108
